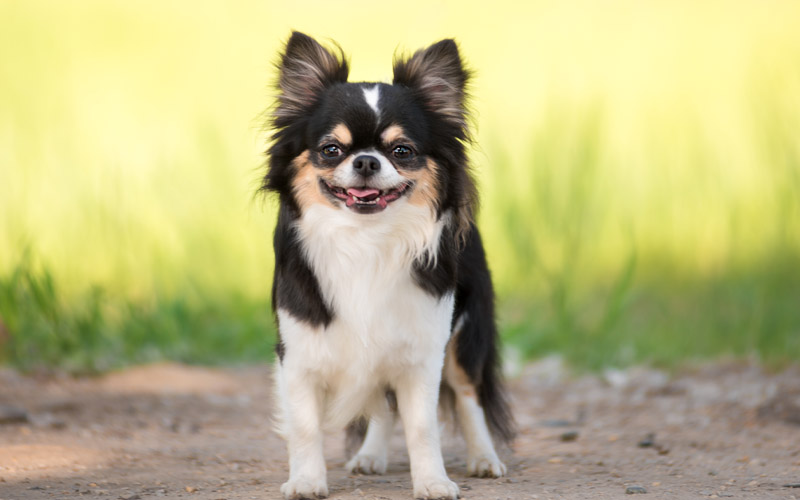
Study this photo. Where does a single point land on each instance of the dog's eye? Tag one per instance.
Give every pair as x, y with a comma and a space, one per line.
402, 152
331, 151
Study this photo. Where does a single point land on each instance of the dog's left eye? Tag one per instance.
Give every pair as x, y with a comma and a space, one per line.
331, 151
402, 152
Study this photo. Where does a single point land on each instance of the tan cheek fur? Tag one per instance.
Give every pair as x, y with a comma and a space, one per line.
426, 183
306, 184
426, 180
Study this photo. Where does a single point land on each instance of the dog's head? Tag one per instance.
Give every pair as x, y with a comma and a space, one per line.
369, 148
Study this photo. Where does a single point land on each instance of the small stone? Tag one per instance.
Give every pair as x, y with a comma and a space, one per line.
648, 441
12, 415
190, 489
633, 490
569, 436
556, 423
47, 420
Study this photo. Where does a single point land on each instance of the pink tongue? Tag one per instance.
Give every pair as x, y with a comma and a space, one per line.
363, 193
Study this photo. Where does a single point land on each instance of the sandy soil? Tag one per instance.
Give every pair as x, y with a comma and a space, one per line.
722, 430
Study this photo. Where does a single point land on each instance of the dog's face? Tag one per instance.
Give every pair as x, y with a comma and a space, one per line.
366, 148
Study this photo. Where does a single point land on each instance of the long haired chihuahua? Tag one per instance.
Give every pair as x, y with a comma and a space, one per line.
383, 297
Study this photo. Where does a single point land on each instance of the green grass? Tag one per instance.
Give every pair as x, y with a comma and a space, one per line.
96, 332
639, 168
698, 268
752, 315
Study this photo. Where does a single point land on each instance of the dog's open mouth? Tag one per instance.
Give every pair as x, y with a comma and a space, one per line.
367, 199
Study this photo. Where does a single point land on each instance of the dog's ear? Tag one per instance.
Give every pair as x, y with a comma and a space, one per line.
439, 76
306, 69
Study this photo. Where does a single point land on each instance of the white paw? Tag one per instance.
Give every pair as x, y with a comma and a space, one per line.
367, 464
436, 489
485, 466
304, 489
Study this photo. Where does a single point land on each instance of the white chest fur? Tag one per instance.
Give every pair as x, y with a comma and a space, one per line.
384, 323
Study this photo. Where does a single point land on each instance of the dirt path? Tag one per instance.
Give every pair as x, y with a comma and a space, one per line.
725, 430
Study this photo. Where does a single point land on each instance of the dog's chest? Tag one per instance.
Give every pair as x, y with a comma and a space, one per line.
382, 319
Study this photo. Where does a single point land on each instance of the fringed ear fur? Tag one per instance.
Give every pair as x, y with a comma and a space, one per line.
440, 79
439, 76
306, 69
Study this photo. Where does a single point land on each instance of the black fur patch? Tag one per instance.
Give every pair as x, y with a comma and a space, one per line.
439, 277
294, 287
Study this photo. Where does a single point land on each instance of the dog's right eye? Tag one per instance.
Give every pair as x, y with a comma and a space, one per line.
331, 151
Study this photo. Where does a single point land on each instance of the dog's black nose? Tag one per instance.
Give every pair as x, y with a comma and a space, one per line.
366, 165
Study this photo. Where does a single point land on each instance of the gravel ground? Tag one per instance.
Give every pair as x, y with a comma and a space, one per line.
716, 431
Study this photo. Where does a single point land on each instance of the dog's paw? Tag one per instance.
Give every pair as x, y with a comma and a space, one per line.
367, 464
304, 489
436, 489
485, 466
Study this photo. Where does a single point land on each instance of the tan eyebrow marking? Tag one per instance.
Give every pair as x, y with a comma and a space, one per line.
393, 133
342, 134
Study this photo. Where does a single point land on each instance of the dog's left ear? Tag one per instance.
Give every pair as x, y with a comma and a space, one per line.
439, 76
306, 70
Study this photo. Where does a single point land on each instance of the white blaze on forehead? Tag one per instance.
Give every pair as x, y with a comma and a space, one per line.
371, 96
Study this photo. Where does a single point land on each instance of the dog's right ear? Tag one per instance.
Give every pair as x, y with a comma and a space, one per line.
306, 69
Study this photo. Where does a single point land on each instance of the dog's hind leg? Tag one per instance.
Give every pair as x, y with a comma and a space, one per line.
371, 457
472, 365
482, 459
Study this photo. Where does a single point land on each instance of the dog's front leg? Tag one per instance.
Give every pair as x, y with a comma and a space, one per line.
302, 399
417, 400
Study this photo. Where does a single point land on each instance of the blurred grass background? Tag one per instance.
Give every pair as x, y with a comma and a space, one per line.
639, 165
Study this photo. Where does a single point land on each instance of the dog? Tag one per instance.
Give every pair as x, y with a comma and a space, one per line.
381, 291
